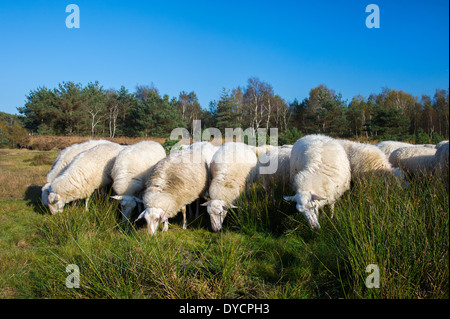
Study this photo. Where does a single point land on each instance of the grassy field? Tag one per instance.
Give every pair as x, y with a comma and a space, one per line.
266, 249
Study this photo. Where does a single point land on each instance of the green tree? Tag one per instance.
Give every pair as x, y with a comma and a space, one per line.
70, 103
94, 101
153, 116
225, 117
39, 109
389, 123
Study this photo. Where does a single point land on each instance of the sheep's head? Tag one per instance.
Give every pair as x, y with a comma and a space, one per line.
153, 216
217, 210
127, 203
398, 173
55, 203
44, 194
307, 204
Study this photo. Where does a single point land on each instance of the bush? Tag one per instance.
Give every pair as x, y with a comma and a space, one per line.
289, 136
169, 144
11, 134
40, 159
422, 137
436, 138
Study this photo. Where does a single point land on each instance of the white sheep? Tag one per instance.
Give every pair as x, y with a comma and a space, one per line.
280, 157
320, 174
441, 159
389, 146
233, 168
205, 148
174, 182
261, 150
413, 159
63, 160
441, 143
366, 159
88, 171
130, 172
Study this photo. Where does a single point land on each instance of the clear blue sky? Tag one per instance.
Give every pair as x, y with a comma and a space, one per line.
206, 45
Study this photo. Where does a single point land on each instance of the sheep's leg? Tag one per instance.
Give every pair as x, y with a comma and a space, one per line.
183, 211
166, 226
86, 203
332, 210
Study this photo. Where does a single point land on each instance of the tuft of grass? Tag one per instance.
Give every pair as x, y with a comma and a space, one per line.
40, 159
402, 230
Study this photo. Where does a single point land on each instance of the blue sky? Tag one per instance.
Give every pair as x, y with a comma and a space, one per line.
207, 45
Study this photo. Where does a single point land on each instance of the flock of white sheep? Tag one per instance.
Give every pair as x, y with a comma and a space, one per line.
319, 169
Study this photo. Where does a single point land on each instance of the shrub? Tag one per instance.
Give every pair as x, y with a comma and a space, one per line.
40, 159
168, 145
289, 136
422, 137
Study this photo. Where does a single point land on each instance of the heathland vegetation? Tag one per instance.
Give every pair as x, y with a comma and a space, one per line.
266, 248
72, 109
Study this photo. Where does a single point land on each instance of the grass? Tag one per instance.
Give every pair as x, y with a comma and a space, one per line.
266, 249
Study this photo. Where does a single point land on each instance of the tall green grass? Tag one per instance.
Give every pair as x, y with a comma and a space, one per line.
265, 250
405, 231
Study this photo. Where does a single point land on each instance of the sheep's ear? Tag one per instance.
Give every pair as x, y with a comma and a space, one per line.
118, 197
205, 204
289, 198
141, 215
231, 206
316, 197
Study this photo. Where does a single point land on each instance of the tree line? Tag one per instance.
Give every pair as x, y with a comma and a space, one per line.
74, 109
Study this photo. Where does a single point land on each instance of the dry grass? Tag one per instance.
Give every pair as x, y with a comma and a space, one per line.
47, 143
19, 172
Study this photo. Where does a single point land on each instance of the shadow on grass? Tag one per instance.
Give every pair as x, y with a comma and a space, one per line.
33, 199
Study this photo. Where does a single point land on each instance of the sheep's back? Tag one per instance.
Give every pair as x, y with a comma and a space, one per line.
414, 159
174, 183
133, 164
88, 171
441, 162
67, 155
324, 167
281, 175
233, 168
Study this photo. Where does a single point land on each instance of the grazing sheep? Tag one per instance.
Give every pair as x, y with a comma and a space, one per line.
366, 159
441, 159
63, 160
281, 158
206, 148
389, 146
88, 171
413, 159
261, 150
441, 143
130, 172
233, 169
174, 182
320, 174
